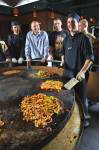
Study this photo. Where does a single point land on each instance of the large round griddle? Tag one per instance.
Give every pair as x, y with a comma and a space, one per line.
16, 133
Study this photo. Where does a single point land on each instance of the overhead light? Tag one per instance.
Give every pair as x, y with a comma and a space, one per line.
15, 12
34, 13
24, 2
52, 14
93, 20
3, 3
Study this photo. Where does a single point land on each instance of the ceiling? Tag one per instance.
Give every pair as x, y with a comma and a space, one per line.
13, 3
61, 6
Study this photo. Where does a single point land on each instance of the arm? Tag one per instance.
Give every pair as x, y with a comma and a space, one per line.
86, 65
88, 54
22, 53
62, 60
50, 55
62, 53
9, 46
51, 45
46, 46
27, 48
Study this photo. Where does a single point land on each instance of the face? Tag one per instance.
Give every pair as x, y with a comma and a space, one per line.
72, 24
57, 25
15, 29
81, 27
35, 27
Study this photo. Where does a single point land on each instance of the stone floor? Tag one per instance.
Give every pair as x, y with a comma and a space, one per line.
90, 138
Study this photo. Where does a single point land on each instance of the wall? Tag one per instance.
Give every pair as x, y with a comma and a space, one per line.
25, 20
4, 26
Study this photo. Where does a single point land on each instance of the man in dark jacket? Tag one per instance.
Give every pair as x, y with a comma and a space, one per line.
16, 43
78, 56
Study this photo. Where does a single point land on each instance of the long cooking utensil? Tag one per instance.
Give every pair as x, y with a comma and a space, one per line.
29, 68
39, 60
71, 83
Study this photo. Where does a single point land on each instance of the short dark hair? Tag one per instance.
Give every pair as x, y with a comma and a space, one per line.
57, 19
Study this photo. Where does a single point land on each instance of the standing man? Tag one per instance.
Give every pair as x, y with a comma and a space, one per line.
16, 43
56, 41
37, 43
83, 27
78, 57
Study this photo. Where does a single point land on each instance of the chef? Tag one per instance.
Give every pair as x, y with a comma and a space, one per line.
78, 57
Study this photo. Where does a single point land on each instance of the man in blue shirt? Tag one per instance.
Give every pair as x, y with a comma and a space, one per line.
37, 43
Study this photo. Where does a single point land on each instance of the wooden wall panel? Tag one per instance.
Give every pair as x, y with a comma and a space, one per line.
25, 20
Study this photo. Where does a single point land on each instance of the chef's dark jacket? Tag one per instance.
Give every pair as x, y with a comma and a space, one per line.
16, 46
57, 52
76, 50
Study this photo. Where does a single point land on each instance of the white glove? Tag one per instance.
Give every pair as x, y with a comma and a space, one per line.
80, 76
49, 64
14, 60
8, 60
61, 64
20, 60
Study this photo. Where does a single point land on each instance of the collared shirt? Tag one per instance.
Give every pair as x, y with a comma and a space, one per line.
37, 45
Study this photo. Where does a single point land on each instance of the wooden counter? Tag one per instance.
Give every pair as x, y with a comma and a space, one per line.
93, 84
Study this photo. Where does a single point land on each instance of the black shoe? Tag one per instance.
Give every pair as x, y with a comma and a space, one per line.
86, 124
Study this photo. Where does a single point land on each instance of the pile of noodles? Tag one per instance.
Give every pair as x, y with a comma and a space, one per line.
39, 109
43, 74
52, 85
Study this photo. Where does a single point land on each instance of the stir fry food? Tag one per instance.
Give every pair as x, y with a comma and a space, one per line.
40, 108
52, 85
11, 72
42, 74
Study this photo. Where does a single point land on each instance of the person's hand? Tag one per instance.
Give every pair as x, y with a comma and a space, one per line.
80, 76
61, 64
14, 60
50, 57
43, 60
20, 60
8, 59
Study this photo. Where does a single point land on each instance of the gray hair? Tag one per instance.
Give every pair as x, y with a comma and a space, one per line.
84, 22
